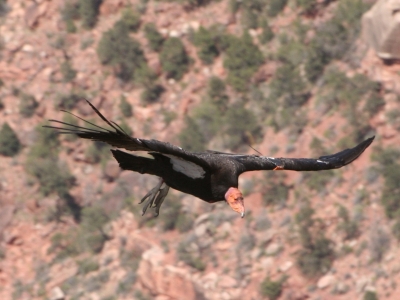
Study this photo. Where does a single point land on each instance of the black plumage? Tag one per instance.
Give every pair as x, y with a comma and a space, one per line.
208, 175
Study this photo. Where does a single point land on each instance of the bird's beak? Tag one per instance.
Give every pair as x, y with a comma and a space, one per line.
235, 200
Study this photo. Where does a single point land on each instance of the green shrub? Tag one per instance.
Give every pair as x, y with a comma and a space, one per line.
351, 11
58, 41
291, 51
242, 60
117, 48
52, 176
373, 104
27, 105
246, 243
271, 289
131, 19
189, 258
334, 37
9, 142
396, 229
241, 127
125, 107
130, 259
249, 18
315, 62
207, 40
217, 93
46, 143
19, 289
87, 265
97, 152
275, 191
68, 101
191, 137
379, 243
88, 11
289, 83
195, 3
317, 147
125, 127
389, 167
71, 27
145, 76
348, 92
369, 295
125, 285
67, 71
267, 34
318, 181
348, 226
152, 93
262, 222
96, 283
148, 78
391, 191
173, 217
154, 38
86, 42
276, 6
67, 118
317, 254
91, 235
69, 13
184, 222
174, 59
308, 6
209, 118
168, 116
70, 10
3, 7
234, 6
318, 259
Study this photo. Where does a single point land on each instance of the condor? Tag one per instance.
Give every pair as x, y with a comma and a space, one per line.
211, 176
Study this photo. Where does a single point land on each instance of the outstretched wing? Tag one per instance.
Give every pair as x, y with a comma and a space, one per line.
118, 138
334, 161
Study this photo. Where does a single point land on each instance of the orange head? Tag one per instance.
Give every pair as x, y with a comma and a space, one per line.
235, 199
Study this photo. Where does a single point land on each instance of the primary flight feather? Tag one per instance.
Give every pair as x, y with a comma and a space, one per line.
211, 176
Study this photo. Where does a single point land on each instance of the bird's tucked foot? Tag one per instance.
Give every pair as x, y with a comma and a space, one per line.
155, 197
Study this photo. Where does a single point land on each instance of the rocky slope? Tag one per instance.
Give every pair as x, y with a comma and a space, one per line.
211, 253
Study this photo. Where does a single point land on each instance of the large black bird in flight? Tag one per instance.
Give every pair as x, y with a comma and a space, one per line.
211, 176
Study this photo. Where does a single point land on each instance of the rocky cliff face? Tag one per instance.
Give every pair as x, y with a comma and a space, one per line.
325, 236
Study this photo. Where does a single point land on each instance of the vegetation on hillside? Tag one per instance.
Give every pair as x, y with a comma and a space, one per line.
174, 59
231, 83
85, 10
242, 60
9, 142
154, 38
317, 254
52, 175
118, 49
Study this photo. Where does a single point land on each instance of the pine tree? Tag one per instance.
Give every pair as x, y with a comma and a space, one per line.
9, 142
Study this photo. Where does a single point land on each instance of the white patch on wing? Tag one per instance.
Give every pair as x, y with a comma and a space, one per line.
188, 168
324, 162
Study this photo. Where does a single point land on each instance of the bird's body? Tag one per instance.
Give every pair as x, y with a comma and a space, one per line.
211, 175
